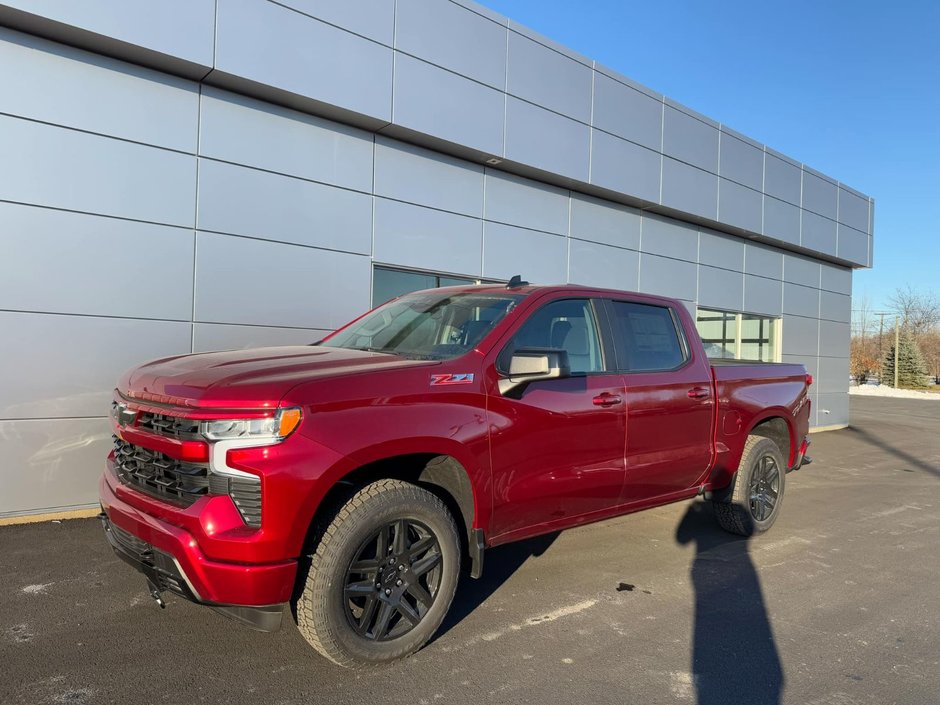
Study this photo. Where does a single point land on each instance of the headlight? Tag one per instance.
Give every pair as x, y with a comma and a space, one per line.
272, 428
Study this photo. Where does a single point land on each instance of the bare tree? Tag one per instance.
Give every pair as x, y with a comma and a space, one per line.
863, 318
919, 311
864, 359
930, 346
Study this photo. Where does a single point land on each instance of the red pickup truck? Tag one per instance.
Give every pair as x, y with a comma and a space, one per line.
356, 476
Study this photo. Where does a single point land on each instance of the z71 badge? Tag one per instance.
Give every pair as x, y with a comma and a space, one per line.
457, 378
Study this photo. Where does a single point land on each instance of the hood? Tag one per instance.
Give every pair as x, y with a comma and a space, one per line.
256, 378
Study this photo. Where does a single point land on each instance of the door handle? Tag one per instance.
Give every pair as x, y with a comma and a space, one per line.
699, 393
607, 399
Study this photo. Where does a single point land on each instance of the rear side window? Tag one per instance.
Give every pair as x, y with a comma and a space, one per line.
646, 337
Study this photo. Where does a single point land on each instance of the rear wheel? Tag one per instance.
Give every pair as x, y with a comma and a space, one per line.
753, 502
382, 577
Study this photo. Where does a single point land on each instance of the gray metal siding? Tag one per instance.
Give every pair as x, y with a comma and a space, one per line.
152, 215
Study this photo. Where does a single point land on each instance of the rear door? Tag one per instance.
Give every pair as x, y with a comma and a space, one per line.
669, 400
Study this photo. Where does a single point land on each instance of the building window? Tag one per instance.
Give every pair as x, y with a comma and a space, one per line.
739, 336
388, 283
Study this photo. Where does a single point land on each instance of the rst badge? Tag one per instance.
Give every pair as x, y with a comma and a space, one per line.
441, 380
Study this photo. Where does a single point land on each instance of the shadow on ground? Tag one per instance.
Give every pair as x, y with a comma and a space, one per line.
734, 656
880, 443
501, 563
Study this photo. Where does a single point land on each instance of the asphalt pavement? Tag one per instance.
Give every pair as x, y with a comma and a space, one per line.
839, 604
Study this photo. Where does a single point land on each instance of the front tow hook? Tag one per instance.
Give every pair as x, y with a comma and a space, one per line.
155, 594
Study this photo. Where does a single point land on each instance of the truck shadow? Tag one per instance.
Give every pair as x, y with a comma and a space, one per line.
734, 656
501, 563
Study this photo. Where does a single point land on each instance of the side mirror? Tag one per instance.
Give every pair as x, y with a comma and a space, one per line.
535, 364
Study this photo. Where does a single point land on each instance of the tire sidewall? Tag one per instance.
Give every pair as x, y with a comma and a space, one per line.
329, 582
766, 447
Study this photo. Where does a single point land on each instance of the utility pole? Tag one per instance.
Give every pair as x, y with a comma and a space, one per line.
881, 331
897, 340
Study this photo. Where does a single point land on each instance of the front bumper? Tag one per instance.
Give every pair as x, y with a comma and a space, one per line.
170, 559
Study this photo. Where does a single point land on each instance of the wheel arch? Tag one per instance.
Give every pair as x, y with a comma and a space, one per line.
440, 473
780, 430
774, 424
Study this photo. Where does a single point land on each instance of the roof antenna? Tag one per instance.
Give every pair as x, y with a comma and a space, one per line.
516, 282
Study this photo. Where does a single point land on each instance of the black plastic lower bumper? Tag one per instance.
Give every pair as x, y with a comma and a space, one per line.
801, 457
164, 574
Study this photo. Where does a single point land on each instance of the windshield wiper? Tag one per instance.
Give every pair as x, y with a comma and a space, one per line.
386, 351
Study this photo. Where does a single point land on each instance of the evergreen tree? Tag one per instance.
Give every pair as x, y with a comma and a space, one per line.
911, 367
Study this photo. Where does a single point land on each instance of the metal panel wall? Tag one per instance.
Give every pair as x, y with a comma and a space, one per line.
200, 200
458, 77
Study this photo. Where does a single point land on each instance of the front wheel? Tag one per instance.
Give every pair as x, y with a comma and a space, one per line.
752, 505
382, 577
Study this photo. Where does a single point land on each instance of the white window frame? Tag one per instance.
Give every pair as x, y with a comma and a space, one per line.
776, 331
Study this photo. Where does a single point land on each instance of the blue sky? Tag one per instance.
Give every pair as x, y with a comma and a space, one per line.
849, 88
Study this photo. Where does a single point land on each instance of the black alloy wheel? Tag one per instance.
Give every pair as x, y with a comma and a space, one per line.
393, 580
764, 488
751, 503
382, 576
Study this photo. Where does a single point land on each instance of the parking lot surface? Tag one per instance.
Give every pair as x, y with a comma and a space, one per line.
836, 605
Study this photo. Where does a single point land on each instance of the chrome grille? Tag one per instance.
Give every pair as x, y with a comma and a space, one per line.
159, 475
171, 426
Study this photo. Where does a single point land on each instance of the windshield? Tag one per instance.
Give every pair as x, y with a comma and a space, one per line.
427, 325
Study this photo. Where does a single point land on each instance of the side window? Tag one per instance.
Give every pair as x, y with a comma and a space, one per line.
646, 337
567, 325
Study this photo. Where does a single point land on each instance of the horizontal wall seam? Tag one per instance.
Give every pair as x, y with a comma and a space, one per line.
274, 172
491, 87
585, 61
258, 238
261, 325
98, 215
330, 24
395, 199
504, 24
523, 227
104, 135
93, 315
605, 244
731, 179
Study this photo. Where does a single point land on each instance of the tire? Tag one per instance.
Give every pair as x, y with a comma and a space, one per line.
760, 479
357, 608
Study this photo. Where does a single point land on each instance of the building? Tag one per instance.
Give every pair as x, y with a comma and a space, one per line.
193, 175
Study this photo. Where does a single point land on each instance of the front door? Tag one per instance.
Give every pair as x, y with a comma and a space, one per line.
669, 401
557, 445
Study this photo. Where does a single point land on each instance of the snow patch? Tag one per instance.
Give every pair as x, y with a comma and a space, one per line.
870, 390
682, 684
559, 613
